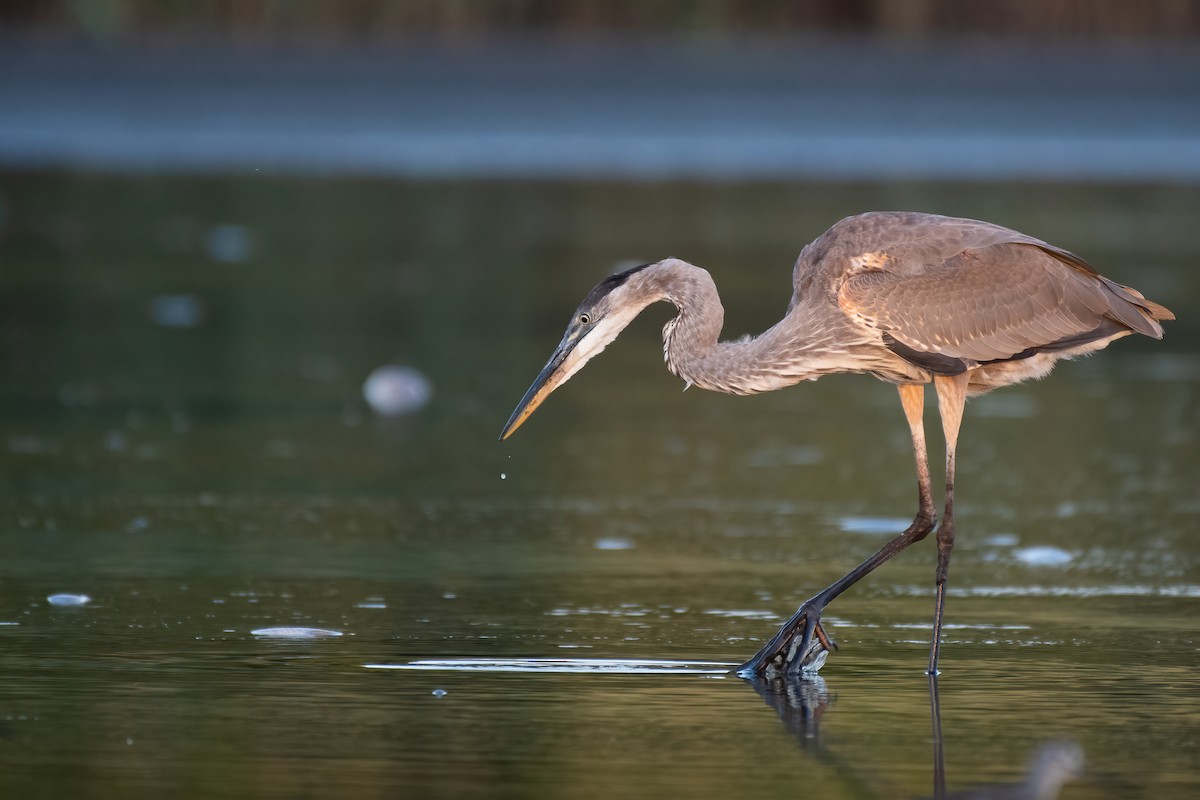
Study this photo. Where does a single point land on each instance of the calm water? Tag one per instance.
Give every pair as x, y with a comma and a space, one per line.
183, 439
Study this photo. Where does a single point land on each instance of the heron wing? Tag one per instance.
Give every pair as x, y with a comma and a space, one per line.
993, 303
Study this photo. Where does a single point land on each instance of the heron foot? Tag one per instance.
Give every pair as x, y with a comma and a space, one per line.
800, 647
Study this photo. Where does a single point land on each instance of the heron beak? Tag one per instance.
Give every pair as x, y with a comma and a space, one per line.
578, 346
562, 365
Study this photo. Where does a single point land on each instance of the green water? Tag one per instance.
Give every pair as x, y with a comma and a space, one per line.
203, 480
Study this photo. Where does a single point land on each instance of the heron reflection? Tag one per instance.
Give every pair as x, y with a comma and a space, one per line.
802, 702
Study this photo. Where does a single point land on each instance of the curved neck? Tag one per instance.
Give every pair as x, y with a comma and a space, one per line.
692, 350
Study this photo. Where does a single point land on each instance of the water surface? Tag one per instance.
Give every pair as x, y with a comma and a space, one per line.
204, 466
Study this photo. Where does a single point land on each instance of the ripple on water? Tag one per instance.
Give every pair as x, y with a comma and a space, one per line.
573, 665
624, 610
958, 626
741, 613
613, 543
872, 524
1043, 556
1108, 590
1117, 590
295, 633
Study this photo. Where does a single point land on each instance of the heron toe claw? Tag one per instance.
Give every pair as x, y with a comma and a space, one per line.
800, 646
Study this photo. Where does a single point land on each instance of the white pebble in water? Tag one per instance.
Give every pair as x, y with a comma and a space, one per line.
393, 389
68, 599
439, 692
295, 633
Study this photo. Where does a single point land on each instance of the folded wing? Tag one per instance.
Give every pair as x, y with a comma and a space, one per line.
1003, 301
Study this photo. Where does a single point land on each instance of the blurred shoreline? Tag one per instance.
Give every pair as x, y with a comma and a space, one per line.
380, 20
635, 108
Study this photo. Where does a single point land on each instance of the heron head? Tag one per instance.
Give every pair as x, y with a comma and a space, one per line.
608, 308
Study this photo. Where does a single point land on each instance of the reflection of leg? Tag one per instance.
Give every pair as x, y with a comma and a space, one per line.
939, 758
799, 702
793, 647
952, 395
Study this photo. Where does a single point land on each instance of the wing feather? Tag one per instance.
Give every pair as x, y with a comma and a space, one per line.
1003, 300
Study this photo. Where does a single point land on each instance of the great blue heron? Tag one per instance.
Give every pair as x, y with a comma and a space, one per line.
910, 298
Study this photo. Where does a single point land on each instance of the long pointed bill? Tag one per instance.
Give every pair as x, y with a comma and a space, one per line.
554, 374
577, 347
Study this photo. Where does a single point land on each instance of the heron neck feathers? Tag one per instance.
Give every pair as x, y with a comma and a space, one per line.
787, 353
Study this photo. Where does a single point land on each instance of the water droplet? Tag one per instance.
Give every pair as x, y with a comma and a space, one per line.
439, 692
503, 476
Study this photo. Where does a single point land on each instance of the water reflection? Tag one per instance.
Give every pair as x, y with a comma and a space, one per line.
1053, 764
802, 702
799, 702
204, 482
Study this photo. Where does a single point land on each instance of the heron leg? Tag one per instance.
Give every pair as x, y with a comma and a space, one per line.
952, 396
802, 639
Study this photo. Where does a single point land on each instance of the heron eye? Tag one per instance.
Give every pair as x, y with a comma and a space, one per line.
584, 319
